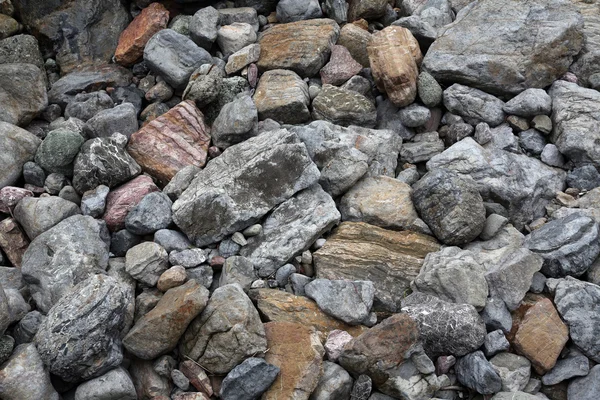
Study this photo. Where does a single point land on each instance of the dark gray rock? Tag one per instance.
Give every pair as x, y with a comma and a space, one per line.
152, 213
22, 93
422, 147
38, 214
344, 107
361, 390
85, 105
248, 380
172, 240
474, 103
586, 388
567, 368
123, 240
430, 92
529, 103
414, 115
495, 342
180, 182
335, 383
129, 94
17, 146
532, 141
283, 274
70, 194
475, 372
146, 262
21, 49
247, 15
55, 182
203, 27
33, 174
238, 270
27, 327
121, 119
236, 122
93, 202
205, 86
4, 311
202, 274
7, 343
297, 10
58, 151
349, 301
552, 156
337, 10
583, 178
115, 384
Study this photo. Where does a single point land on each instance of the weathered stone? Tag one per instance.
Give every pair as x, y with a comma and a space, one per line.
203, 27
171, 142
430, 92
146, 262
205, 86
335, 383
529, 103
514, 371
121, 118
567, 368
248, 380
242, 58
344, 107
586, 388
148, 383
356, 40
22, 93
115, 384
474, 104
282, 96
395, 56
58, 151
134, 38
124, 198
152, 213
17, 146
236, 122
21, 49
37, 215
13, 241
340, 68
349, 301
196, 376
370, 9
234, 37
180, 182
475, 372
302, 46
291, 11
495, 342
422, 148
359, 251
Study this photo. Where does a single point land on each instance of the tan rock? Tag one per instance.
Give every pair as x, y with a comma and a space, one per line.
134, 38
298, 353
171, 142
13, 241
302, 46
395, 56
173, 277
197, 377
282, 96
356, 40
242, 58
390, 259
279, 306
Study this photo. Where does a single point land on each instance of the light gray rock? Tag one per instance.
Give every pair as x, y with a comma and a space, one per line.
514, 371
422, 147
349, 301
238, 270
203, 27
473, 103
529, 103
17, 305
152, 213
93, 201
335, 383
475, 372
517, 396
37, 215
241, 186
26, 329
283, 276
17, 146
114, 385
585, 388
63, 256
234, 37
567, 368
343, 107
180, 181
495, 342
81, 337
532, 141
85, 105
502, 138
188, 258
297, 10
248, 380
236, 122
283, 96
430, 92
172, 240
493, 224
242, 58
121, 118
552, 156
146, 262
239, 14
22, 93
414, 115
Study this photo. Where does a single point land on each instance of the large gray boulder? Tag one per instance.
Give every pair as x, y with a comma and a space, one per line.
474, 104
236, 189
63, 256
335, 383
38, 214
22, 93
121, 118
587, 387
499, 48
17, 146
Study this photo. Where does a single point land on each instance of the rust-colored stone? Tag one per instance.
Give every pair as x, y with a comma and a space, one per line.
171, 142
395, 56
122, 199
13, 241
298, 353
134, 38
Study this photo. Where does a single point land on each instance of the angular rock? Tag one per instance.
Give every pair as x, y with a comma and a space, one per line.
203, 27
291, 11
422, 148
349, 301
124, 198
234, 37
122, 118
188, 258
529, 103
340, 68
414, 115
17, 146
148, 383
356, 40
93, 202
115, 384
242, 58
475, 372
171, 142
13, 241
584, 178
335, 383
282, 96
248, 380
475, 104
22, 93
566, 369
515, 396
21, 49
238, 270
205, 86
152, 213
236, 122
586, 388
495, 342
514, 371
146, 262
344, 107
173, 277
37, 215
58, 151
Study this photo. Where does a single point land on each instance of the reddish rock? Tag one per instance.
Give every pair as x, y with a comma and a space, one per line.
10, 196
171, 142
134, 38
340, 68
197, 377
13, 241
122, 199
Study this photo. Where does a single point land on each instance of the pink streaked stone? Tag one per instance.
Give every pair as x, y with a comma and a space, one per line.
10, 196
122, 199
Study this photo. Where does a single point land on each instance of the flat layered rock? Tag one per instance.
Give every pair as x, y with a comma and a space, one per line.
17, 146
171, 142
22, 93
359, 251
282, 96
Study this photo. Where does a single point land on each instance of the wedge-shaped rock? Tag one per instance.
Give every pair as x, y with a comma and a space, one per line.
17, 146
282, 96
243, 184
359, 251
171, 142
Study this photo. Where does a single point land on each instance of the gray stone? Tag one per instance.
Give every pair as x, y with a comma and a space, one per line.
234, 37
54, 183
70, 194
85, 105
474, 103
241, 186
362, 387
174, 57
410, 175
238, 270
483, 133
37, 215
414, 115
113, 385
495, 342
529, 103
430, 92
180, 181
583, 178
81, 337
585, 388
283, 274
22, 93
344, 107
532, 141
63, 256
93, 201
203, 274
349, 301
26, 329
248, 380
228, 248
7, 343
203, 27
21, 49
336, 10
188, 258
552, 156
538, 283
568, 245
282, 96
58, 150
24, 376
33, 174
17, 305
297, 10
123, 240
566, 369
475, 372
121, 118
514, 371
242, 58
422, 147
542, 123
518, 396
146, 262
335, 383
493, 224
5, 319
152, 213
180, 380
229, 89
252, 230
460, 130
172, 240
291, 228
236, 122
227, 332
239, 14
17, 146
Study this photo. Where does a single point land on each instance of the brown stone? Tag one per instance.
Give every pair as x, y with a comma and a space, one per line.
538, 333
367, 9
148, 383
171, 142
390, 259
298, 353
13, 241
122, 199
134, 38
340, 68
197, 377
356, 40
282, 96
302, 46
279, 306
173, 277
395, 56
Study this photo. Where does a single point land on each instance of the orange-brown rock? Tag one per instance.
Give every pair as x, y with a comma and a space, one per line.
298, 353
171, 142
302, 46
279, 306
356, 39
395, 56
538, 333
13, 241
134, 38
390, 259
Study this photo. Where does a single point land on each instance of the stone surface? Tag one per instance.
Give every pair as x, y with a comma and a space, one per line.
222, 187
203, 27
343, 107
567, 368
242, 58
37, 215
422, 148
291, 11
148, 383
238, 270
152, 213
340, 68
115, 384
495, 342
514, 371
356, 39
529, 103
430, 92
248, 380
17, 146
586, 388
146, 262
121, 118
282, 96
474, 104
349, 301
236, 122
171, 142
58, 150
475, 372
473, 49
22, 93
234, 37
13, 241
584, 178
123, 198
335, 383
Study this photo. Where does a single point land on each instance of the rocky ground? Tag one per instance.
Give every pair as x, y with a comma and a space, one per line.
295, 199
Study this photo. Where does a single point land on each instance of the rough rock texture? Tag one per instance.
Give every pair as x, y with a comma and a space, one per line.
474, 104
81, 337
22, 93
514, 371
473, 50
63, 256
349, 301
248, 380
475, 372
17, 146
124, 198
241, 186
302, 46
236, 122
359, 251
282, 96
335, 383
115, 384
37, 215
343, 107
121, 118
146, 262
58, 151
529, 103
171, 142
586, 388
13, 241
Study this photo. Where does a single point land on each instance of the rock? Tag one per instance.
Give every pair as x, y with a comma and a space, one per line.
10, 196
248, 380
227, 332
532, 141
122, 118
234, 37
356, 40
4, 311
171, 240
93, 202
13, 241
80, 339
430, 92
146, 262
578, 302
180, 181
567, 368
158, 331
21, 49
529, 103
343, 107
340, 68
422, 148
37, 215
63, 256
493, 224
336, 10
115, 384
475, 372
238, 270
24, 376
148, 383
296, 350
134, 38
291, 228
414, 115
524, 191
281, 95
496, 342
584, 178
58, 151
359, 251
205, 86
33, 174
233, 171
552, 156
348, 301
242, 58
236, 122
196, 376
336, 340
445, 328
22, 93
152, 213
17, 146
362, 387
371, 9
514, 371
240, 14
586, 388
453, 275
85, 105
302, 46
171, 142
292, 11
187, 258
173, 277
451, 206
472, 50
335, 383
7, 344
203, 27
124, 198
515, 396
174, 57
474, 103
